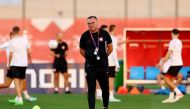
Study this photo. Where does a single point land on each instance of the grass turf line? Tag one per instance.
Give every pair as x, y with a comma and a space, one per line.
79, 101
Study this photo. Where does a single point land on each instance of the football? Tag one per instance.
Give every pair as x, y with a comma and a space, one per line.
52, 44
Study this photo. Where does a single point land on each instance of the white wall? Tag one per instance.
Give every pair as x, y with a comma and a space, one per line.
100, 8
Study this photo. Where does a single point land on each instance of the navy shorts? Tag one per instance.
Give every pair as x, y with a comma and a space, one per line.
111, 72
18, 72
173, 71
9, 74
60, 66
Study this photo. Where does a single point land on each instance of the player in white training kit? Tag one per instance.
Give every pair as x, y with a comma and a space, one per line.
113, 64
174, 53
18, 62
160, 76
9, 78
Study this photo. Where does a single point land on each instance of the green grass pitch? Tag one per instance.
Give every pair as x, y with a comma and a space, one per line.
79, 101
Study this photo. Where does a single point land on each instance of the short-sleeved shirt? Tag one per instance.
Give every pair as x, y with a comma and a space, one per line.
61, 49
87, 44
176, 46
112, 58
19, 46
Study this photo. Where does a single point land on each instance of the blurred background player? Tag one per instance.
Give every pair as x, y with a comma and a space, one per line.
174, 53
18, 62
160, 77
9, 76
104, 27
25, 34
98, 90
60, 64
113, 64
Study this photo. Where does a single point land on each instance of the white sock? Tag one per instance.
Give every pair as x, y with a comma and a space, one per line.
25, 92
99, 92
177, 91
175, 81
67, 89
163, 87
56, 89
111, 94
20, 99
171, 95
16, 98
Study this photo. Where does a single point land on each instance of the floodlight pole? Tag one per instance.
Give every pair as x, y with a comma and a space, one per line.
75, 9
125, 11
23, 13
126, 8
150, 9
176, 12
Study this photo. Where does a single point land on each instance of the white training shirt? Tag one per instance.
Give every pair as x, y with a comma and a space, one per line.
166, 66
176, 46
5, 46
112, 58
19, 46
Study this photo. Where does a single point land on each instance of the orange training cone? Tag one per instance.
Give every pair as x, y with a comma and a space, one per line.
134, 91
122, 90
146, 92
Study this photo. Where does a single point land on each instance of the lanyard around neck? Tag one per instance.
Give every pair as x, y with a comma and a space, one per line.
97, 46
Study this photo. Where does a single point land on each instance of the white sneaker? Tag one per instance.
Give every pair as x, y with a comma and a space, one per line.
178, 97
168, 100
114, 100
31, 99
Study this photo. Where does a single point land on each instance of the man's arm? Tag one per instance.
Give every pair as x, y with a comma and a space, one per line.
54, 55
66, 53
167, 56
10, 59
10, 54
122, 42
109, 49
4, 46
169, 52
29, 55
66, 50
82, 52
